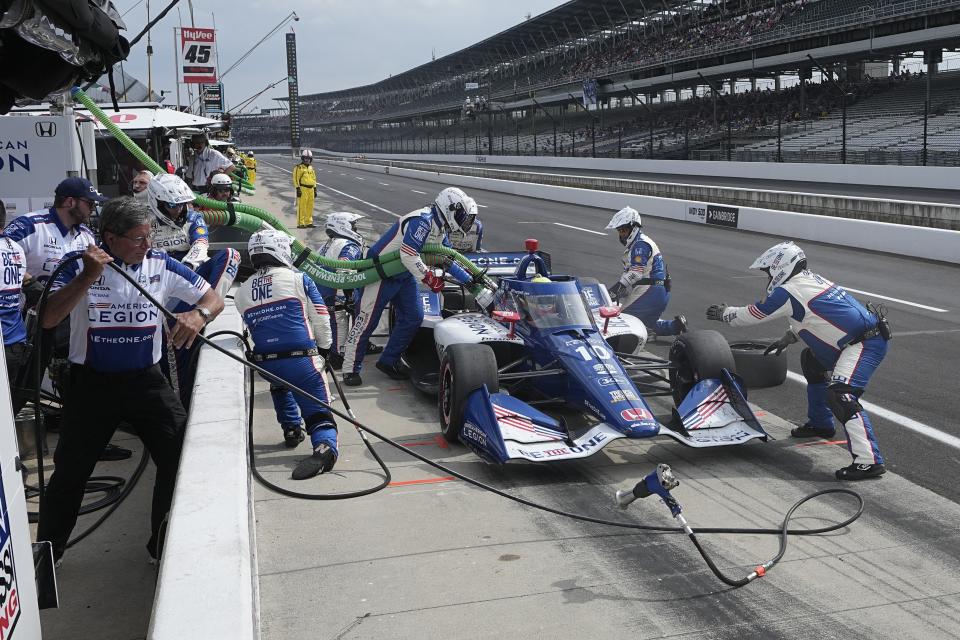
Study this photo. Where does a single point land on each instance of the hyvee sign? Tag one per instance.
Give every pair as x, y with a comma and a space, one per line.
198, 56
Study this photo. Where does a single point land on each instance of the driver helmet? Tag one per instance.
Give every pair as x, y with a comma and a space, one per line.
270, 243
544, 305
221, 182
167, 191
629, 220
456, 210
306, 155
780, 262
343, 224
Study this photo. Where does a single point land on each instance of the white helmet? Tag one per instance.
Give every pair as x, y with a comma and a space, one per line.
168, 189
344, 224
221, 180
456, 209
624, 217
779, 262
272, 243
306, 153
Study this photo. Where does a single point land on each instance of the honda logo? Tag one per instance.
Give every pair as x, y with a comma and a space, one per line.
45, 129
635, 414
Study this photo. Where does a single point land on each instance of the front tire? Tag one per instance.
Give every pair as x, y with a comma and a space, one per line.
464, 368
696, 356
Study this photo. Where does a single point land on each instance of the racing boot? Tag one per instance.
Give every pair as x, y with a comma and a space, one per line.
374, 349
352, 379
396, 371
812, 431
113, 452
860, 471
679, 324
321, 461
292, 436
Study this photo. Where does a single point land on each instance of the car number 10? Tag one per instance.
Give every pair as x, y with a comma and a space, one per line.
601, 352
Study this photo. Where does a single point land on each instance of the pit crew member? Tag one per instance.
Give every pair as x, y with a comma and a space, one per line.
469, 237
290, 328
842, 336
114, 351
644, 288
408, 235
305, 182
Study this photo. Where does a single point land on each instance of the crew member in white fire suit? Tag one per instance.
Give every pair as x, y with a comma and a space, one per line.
290, 328
644, 288
182, 233
846, 341
408, 235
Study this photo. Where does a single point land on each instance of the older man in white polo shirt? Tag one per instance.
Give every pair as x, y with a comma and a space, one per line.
206, 162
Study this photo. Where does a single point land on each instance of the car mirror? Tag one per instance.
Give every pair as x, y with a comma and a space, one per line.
511, 317
606, 313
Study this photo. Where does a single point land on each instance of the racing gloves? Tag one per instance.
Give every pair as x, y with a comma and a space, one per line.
617, 291
433, 282
715, 312
777, 347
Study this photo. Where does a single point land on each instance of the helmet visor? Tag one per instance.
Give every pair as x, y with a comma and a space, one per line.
463, 219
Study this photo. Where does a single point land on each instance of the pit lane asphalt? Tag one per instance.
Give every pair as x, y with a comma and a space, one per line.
434, 558
709, 265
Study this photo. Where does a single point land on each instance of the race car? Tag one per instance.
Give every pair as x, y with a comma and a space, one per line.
556, 342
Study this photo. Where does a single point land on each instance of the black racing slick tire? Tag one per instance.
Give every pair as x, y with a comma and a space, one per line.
696, 356
464, 368
757, 370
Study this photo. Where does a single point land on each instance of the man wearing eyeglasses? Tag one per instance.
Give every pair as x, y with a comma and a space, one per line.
115, 347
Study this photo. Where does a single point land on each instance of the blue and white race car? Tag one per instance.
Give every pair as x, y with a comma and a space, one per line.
554, 342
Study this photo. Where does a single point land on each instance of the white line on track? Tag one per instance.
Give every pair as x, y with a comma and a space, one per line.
369, 204
359, 177
482, 206
423, 193
384, 184
343, 174
900, 420
906, 302
570, 226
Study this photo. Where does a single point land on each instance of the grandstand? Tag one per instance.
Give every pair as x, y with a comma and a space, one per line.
767, 80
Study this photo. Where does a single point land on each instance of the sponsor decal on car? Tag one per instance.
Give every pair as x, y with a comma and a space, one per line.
623, 395
611, 381
636, 414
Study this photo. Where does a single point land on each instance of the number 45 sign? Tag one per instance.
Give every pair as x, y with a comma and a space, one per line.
198, 56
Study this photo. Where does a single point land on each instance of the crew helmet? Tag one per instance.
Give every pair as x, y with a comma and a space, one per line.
273, 243
167, 189
780, 262
221, 180
343, 224
627, 216
456, 209
306, 153
249, 154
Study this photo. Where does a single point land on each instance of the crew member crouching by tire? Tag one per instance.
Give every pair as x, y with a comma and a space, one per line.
842, 336
290, 328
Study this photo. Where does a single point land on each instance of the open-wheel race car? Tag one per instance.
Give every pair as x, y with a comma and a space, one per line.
555, 343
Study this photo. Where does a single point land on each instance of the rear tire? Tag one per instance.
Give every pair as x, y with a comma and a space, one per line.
696, 356
464, 368
757, 370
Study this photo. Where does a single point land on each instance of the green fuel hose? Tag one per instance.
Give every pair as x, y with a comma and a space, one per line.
324, 271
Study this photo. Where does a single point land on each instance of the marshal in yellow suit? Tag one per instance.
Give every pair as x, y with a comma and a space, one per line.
305, 181
251, 164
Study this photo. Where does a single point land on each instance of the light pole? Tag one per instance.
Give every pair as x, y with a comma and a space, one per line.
729, 124
843, 106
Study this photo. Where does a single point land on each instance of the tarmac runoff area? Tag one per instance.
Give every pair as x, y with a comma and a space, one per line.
433, 557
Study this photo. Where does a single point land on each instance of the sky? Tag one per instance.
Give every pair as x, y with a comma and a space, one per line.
340, 43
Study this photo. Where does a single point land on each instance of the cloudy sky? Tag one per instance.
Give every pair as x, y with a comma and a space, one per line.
340, 43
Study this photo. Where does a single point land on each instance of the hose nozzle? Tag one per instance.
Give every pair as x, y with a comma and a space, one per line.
659, 481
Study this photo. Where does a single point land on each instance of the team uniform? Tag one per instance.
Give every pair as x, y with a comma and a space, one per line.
647, 284
305, 180
115, 345
13, 264
45, 240
842, 336
251, 164
288, 321
334, 299
407, 235
205, 163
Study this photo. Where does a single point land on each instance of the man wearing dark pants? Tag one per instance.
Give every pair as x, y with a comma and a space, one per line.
114, 351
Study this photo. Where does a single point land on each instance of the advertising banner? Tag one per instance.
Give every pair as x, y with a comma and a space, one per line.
198, 56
